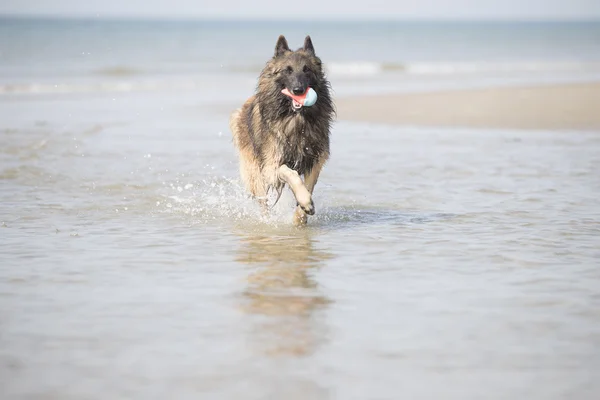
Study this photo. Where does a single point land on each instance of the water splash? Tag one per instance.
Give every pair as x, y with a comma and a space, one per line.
220, 199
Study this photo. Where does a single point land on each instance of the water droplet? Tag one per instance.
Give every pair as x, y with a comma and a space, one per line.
158, 203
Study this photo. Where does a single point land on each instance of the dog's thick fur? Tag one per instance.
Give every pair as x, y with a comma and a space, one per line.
276, 142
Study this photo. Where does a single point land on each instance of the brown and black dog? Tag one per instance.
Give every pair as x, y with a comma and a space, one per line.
279, 140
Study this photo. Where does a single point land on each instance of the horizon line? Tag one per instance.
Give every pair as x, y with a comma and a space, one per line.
223, 18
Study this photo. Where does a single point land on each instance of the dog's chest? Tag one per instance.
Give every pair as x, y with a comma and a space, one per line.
299, 145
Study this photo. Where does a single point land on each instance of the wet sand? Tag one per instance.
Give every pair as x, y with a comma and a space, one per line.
550, 107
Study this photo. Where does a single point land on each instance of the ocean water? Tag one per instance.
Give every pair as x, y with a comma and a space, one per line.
441, 263
64, 56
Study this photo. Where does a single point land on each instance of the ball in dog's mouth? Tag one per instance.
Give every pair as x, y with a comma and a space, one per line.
307, 99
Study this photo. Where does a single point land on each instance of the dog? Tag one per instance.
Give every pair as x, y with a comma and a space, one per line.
277, 138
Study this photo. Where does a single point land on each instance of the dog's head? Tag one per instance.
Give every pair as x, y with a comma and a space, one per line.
295, 71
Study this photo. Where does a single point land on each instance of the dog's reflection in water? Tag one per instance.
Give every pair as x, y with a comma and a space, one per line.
282, 296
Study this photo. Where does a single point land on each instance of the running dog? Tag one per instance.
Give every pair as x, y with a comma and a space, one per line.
278, 137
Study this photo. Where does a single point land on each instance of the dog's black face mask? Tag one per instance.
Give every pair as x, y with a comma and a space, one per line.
296, 77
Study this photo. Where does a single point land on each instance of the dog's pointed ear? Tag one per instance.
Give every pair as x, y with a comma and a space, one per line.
308, 46
282, 46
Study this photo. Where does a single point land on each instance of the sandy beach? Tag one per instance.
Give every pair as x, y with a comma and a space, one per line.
553, 107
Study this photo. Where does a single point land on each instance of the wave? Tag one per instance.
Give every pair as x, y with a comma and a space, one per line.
445, 68
115, 78
92, 87
369, 68
456, 68
357, 68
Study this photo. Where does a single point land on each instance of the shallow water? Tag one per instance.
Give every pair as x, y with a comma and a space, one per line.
440, 264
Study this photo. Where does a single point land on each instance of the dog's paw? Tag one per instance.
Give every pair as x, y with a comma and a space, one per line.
308, 208
304, 200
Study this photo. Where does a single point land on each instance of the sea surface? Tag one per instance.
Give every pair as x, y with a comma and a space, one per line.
441, 263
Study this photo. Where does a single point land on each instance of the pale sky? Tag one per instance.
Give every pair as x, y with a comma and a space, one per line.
309, 9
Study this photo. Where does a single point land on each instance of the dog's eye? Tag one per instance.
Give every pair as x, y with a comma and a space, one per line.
289, 70
305, 69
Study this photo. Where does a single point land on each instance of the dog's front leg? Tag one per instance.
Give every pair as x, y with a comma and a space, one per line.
302, 195
310, 180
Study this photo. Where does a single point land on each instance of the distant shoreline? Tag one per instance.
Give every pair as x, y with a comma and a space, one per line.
550, 107
285, 20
